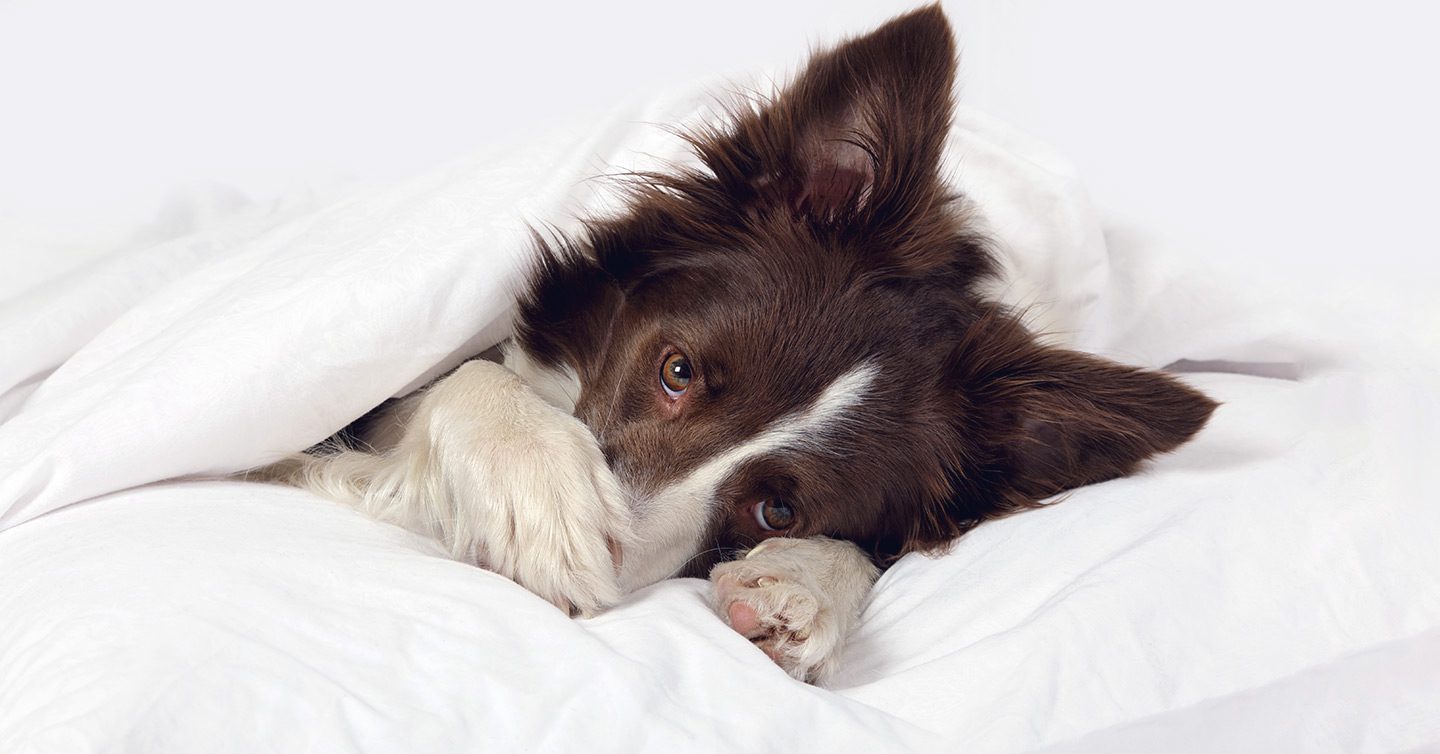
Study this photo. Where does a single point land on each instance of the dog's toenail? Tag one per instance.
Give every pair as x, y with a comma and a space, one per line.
765, 581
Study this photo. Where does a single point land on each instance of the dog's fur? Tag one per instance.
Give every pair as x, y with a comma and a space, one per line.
824, 285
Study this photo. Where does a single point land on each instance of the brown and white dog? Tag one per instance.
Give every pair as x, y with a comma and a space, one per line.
788, 346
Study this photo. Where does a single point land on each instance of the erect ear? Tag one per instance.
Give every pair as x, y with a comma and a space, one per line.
858, 134
1042, 420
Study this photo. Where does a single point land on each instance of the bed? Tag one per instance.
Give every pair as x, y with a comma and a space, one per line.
1272, 586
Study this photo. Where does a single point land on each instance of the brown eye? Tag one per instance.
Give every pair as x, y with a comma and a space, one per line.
675, 375
774, 515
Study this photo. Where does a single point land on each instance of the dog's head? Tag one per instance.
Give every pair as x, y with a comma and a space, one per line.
790, 341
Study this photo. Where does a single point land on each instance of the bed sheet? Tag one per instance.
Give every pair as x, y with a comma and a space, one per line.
1269, 588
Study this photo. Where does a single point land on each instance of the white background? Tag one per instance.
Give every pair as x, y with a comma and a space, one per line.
1293, 136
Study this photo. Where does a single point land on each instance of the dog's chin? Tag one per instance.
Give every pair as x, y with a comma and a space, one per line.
641, 567
654, 555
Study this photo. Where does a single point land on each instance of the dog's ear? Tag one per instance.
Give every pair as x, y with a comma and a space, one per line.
1032, 421
856, 137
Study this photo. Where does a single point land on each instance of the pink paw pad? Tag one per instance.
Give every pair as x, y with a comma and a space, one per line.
743, 619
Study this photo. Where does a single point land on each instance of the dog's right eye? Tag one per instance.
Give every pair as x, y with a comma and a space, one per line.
675, 375
774, 515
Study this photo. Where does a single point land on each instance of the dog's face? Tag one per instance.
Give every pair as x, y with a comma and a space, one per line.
789, 342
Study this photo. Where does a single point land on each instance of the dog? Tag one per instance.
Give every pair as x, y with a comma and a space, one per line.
777, 369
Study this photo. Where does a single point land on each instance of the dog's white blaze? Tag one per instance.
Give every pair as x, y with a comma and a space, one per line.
671, 522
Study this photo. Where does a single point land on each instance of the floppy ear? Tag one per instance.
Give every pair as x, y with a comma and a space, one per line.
856, 136
1035, 421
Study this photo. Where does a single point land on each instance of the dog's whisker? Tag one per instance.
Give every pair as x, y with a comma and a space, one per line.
681, 568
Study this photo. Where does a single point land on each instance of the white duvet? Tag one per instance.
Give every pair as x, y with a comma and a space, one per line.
1272, 586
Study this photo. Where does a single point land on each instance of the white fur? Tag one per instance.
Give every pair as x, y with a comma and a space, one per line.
807, 595
502, 478
559, 387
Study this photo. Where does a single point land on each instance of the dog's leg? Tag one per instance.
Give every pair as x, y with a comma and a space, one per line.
501, 477
796, 599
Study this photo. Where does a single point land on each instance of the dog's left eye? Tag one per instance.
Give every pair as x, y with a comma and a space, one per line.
774, 515
675, 375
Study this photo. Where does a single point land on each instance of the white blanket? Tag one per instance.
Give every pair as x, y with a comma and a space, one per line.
1275, 585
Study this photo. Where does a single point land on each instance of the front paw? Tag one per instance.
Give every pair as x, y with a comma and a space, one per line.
795, 599
522, 487
561, 527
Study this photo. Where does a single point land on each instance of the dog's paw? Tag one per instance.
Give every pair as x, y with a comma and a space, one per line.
558, 519
795, 599
513, 484
560, 516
